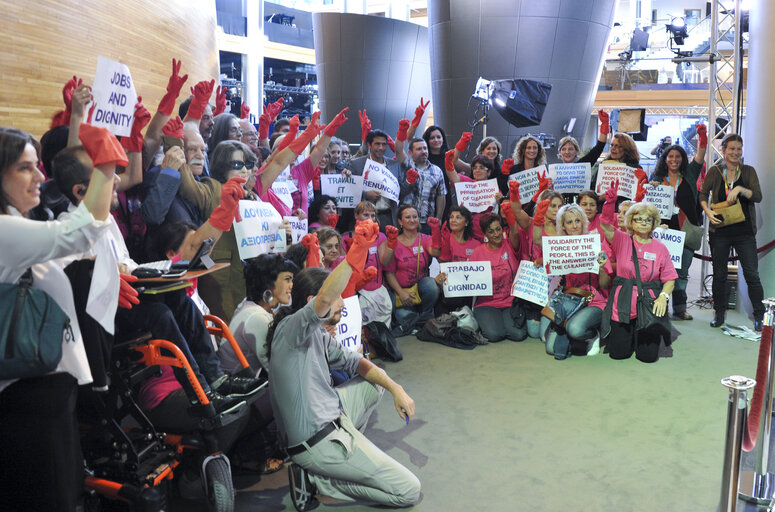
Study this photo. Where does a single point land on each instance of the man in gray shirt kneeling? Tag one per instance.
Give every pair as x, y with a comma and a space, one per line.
321, 424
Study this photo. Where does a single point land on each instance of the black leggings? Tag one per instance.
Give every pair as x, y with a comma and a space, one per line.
621, 343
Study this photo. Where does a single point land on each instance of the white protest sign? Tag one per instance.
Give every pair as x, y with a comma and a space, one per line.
571, 254
661, 196
528, 182
378, 177
477, 196
611, 171
674, 241
259, 232
531, 284
346, 191
114, 97
282, 188
571, 178
348, 330
286, 175
467, 279
299, 228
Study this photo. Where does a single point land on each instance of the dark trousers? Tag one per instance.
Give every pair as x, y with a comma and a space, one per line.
621, 343
745, 246
41, 463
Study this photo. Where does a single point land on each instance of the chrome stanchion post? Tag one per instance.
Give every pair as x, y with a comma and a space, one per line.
736, 413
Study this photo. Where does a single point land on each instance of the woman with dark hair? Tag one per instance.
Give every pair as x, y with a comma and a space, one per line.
436, 140
322, 212
225, 127
482, 169
331, 245
457, 244
728, 184
675, 170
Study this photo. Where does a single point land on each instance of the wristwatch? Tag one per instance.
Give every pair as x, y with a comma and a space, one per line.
663, 294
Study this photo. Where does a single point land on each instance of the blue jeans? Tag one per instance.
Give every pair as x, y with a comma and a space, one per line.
499, 323
679, 292
745, 246
411, 317
584, 324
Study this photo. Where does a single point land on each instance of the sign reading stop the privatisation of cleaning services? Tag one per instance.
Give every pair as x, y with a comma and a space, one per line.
114, 97
259, 230
571, 254
346, 190
378, 177
477, 196
528, 182
612, 171
348, 330
467, 278
570, 178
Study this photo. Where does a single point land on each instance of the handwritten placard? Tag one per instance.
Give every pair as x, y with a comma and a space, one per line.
348, 330
299, 228
379, 178
674, 241
528, 182
571, 254
346, 191
259, 231
467, 278
477, 196
114, 97
283, 188
531, 284
570, 178
608, 172
661, 196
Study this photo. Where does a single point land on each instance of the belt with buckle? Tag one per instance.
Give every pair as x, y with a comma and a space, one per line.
315, 439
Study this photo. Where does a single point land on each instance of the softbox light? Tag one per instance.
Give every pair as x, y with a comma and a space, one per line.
521, 102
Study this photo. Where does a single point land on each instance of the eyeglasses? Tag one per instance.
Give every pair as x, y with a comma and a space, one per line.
643, 220
235, 129
239, 164
251, 135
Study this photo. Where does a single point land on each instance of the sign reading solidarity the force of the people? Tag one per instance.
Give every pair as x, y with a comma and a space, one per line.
299, 228
571, 254
661, 196
467, 278
531, 284
259, 231
346, 191
348, 330
674, 241
528, 182
477, 196
570, 178
378, 177
114, 97
608, 172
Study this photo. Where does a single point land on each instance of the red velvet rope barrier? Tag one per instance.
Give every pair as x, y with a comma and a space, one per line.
735, 258
752, 427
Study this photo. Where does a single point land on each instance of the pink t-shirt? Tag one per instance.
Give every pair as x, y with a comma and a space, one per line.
156, 389
478, 233
462, 251
404, 263
654, 262
373, 260
504, 264
302, 174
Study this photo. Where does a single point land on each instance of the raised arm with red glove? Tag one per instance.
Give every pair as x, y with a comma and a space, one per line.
220, 101
412, 175
293, 129
202, 92
311, 243
301, 142
543, 184
506, 166
508, 213
173, 128
391, 144
462, 144
403, 127
540, 214
702, 136
434, 224
364, 235
391, 232
127, 295
244, 111
365, 124
608, 214
641, 192
449, 160
134, 142
174, 85
514, 192
62, 118
419, 112
446, 249
228, 211
101, 146
336, 122
605, 126
358, 280
316, 179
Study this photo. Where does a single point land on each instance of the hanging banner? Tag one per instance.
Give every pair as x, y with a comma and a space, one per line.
674, 241
346, 191
348, 330
259, 231
570, 178
114, 97
477, 196
299, 228
531, 283
608, 172
571, 254
378, 177
467, 279
661, 196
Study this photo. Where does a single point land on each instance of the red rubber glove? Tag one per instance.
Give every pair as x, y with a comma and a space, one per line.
101, 146
310, 241
462, 144
332, 220
608, 214
446, 249
127, 295
316, 179
411, 176
220, 101
313, 129
640, 174
68, 90
174, 85
365, 124
348, 242
225, 213
173, 128
434, 223
702, 135
274, 109
514, 191
507, 213
293, 129
338, 121
641, 192
349, 290
391, 144
391, 232
364, 235
403, 127
244, 111
449, 160
202, 92
605, 124
540, 216
543, 184
419, 112
134, 142
264, 120
506, 166
367, 276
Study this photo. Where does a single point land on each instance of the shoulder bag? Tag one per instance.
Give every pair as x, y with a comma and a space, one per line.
414, 289
646, 320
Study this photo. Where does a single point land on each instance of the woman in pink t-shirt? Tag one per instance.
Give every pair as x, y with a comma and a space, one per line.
412, 258
457, 244
657, 273
483, 169
498, 315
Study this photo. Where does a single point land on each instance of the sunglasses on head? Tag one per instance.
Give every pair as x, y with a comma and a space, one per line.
239, 164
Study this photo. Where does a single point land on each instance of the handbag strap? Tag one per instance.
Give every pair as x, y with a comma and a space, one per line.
24, 284
419, 246
637, 267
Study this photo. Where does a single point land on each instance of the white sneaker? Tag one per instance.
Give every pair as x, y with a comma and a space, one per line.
593, 345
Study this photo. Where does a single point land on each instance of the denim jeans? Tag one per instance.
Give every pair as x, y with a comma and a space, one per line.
499, 323
411, 317
745, 246
679, 292
584, 324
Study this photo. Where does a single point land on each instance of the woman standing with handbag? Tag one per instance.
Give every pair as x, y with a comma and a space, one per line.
733, 184
644, 273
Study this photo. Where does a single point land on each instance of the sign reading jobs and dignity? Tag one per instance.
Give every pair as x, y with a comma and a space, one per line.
674, 241
571, 254
114, 97
531, 283
467, 278
377, 177
346, 191
608, 172
259, 231
477, 196
661, 196
348, 330
570, 178
528, 182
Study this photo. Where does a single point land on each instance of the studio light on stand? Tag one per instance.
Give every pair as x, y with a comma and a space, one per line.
678, 33
519, 101
482, 93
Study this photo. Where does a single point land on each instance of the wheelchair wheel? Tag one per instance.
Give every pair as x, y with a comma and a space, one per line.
218, 485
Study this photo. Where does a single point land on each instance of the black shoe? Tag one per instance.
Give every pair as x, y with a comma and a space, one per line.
302, 491
683, 316
222, 403
758, 325
229, 385
718, 319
